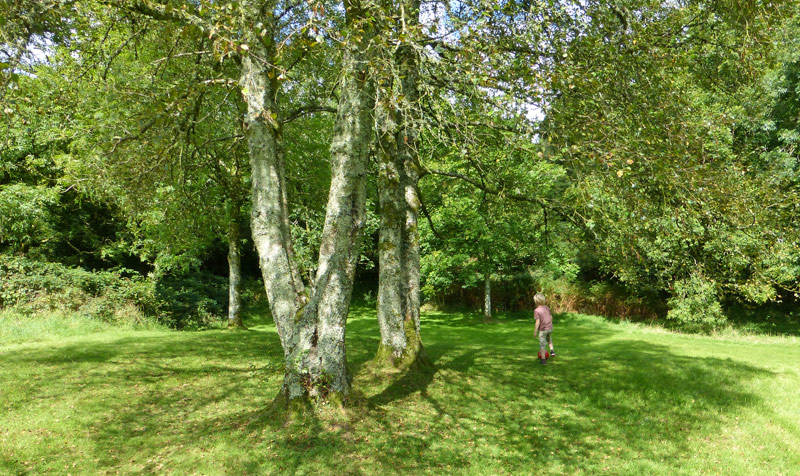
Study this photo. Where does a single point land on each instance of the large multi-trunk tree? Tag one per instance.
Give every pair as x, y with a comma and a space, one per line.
310, 321
261, 37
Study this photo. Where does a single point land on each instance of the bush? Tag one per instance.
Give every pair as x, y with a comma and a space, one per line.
191, 301
120, 296
604, 298
514, 292
695, 305
25, 215
32, 286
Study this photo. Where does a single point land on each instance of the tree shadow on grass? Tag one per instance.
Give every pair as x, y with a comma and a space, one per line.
633, 399
362, 337
139, 398
174, 401
777, 320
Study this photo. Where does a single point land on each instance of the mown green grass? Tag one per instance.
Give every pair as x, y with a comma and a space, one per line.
18, 328
619, 399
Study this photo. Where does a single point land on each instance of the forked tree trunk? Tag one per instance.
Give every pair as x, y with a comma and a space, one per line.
399, 283
311, 329
398, 277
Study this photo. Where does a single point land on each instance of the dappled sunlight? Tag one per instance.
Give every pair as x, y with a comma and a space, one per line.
614, 398
630, 399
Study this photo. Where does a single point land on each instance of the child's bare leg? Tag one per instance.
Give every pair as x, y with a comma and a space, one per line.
542, 348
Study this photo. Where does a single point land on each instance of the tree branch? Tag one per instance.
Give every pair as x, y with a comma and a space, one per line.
486, 188
163, 12
303, 110
427, 214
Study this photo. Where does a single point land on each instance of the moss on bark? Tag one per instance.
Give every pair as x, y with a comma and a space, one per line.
412, 357
236, 323
332, 409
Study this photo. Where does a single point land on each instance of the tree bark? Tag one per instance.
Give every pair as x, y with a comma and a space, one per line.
269, 218
391, 302
487, 297
399, 255
323, 352
269, 212
311, 328
411, 247
234, 267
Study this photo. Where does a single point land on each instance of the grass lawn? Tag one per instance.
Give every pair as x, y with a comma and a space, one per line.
618, 399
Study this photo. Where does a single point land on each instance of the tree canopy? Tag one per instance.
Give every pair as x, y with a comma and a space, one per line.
644, 144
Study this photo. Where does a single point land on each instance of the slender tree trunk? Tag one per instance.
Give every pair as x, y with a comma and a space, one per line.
234, 268
270, 233
487, 297
399, 288
411, 249
391, 302
269, 219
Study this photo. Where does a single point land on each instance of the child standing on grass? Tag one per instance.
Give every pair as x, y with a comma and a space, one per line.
543, 328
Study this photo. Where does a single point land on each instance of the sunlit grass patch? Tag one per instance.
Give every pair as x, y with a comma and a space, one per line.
17, 327
618, 399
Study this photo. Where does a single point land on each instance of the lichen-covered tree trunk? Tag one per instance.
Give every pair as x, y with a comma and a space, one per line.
322, 353
398, 277
311, 326
399, 288
487, 297
411, 251
270, 234
399, 273
410, 181
269, 219
391, 296
234, 267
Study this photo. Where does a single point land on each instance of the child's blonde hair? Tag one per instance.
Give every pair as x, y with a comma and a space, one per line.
539, 299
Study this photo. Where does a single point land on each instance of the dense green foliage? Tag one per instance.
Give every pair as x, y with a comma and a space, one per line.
179, 301
645, 147
650, 116
666, 156
31, 285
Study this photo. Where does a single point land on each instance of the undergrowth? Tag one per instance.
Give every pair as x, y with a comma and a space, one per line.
184, 301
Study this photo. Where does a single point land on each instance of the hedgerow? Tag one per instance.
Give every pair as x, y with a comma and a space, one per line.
190, 301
